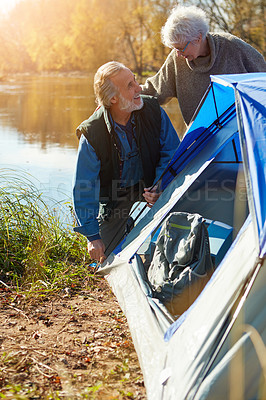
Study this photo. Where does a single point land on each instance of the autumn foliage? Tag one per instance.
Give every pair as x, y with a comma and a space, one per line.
67, 35
80, 35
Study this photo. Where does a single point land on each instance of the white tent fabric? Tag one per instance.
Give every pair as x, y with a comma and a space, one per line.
240, 372
146, 332
196, 357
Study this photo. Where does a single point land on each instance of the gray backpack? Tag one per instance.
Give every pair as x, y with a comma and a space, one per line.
181, 264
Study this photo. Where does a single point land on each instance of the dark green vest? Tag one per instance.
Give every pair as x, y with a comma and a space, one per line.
100, 134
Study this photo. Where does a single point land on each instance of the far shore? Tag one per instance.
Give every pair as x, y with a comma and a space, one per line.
5, 76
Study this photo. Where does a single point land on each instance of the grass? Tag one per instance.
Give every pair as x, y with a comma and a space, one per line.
44, 271
35, 248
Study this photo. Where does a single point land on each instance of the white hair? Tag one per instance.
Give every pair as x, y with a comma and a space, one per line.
184, 24
104, 88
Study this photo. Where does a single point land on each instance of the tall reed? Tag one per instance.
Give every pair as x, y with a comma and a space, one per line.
34, 245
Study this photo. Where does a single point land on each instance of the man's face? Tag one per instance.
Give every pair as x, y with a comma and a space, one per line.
129, 91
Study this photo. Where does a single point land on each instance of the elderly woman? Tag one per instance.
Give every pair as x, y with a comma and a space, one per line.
196, 55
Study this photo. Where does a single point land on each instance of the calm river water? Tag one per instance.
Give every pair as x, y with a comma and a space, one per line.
38, 118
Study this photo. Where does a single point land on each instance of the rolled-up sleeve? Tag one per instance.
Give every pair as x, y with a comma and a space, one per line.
86, 189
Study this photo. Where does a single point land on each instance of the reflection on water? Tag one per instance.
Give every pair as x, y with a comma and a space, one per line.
38, 118
46, 110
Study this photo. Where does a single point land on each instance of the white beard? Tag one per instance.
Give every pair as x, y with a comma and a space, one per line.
129, 106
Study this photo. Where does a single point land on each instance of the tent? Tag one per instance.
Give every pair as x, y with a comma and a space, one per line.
216, 348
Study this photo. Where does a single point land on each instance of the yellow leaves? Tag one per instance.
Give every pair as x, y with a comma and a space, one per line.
82, 34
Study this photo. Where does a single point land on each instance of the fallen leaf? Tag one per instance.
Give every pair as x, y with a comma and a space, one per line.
36, 335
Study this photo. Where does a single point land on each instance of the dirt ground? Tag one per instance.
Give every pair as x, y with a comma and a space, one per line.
71, 345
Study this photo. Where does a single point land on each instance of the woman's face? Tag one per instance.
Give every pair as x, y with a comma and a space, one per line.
191, 50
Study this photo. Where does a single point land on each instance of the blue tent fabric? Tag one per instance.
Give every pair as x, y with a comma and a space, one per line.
216, 103
194, 141
251, 90
218, 108
253, 104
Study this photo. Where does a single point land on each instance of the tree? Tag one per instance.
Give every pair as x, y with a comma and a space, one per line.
138, 30
243, 18
65, 35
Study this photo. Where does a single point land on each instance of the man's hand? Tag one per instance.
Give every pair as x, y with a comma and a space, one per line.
96, 250
151, 195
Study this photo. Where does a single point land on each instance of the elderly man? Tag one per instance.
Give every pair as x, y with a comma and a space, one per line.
124, 147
